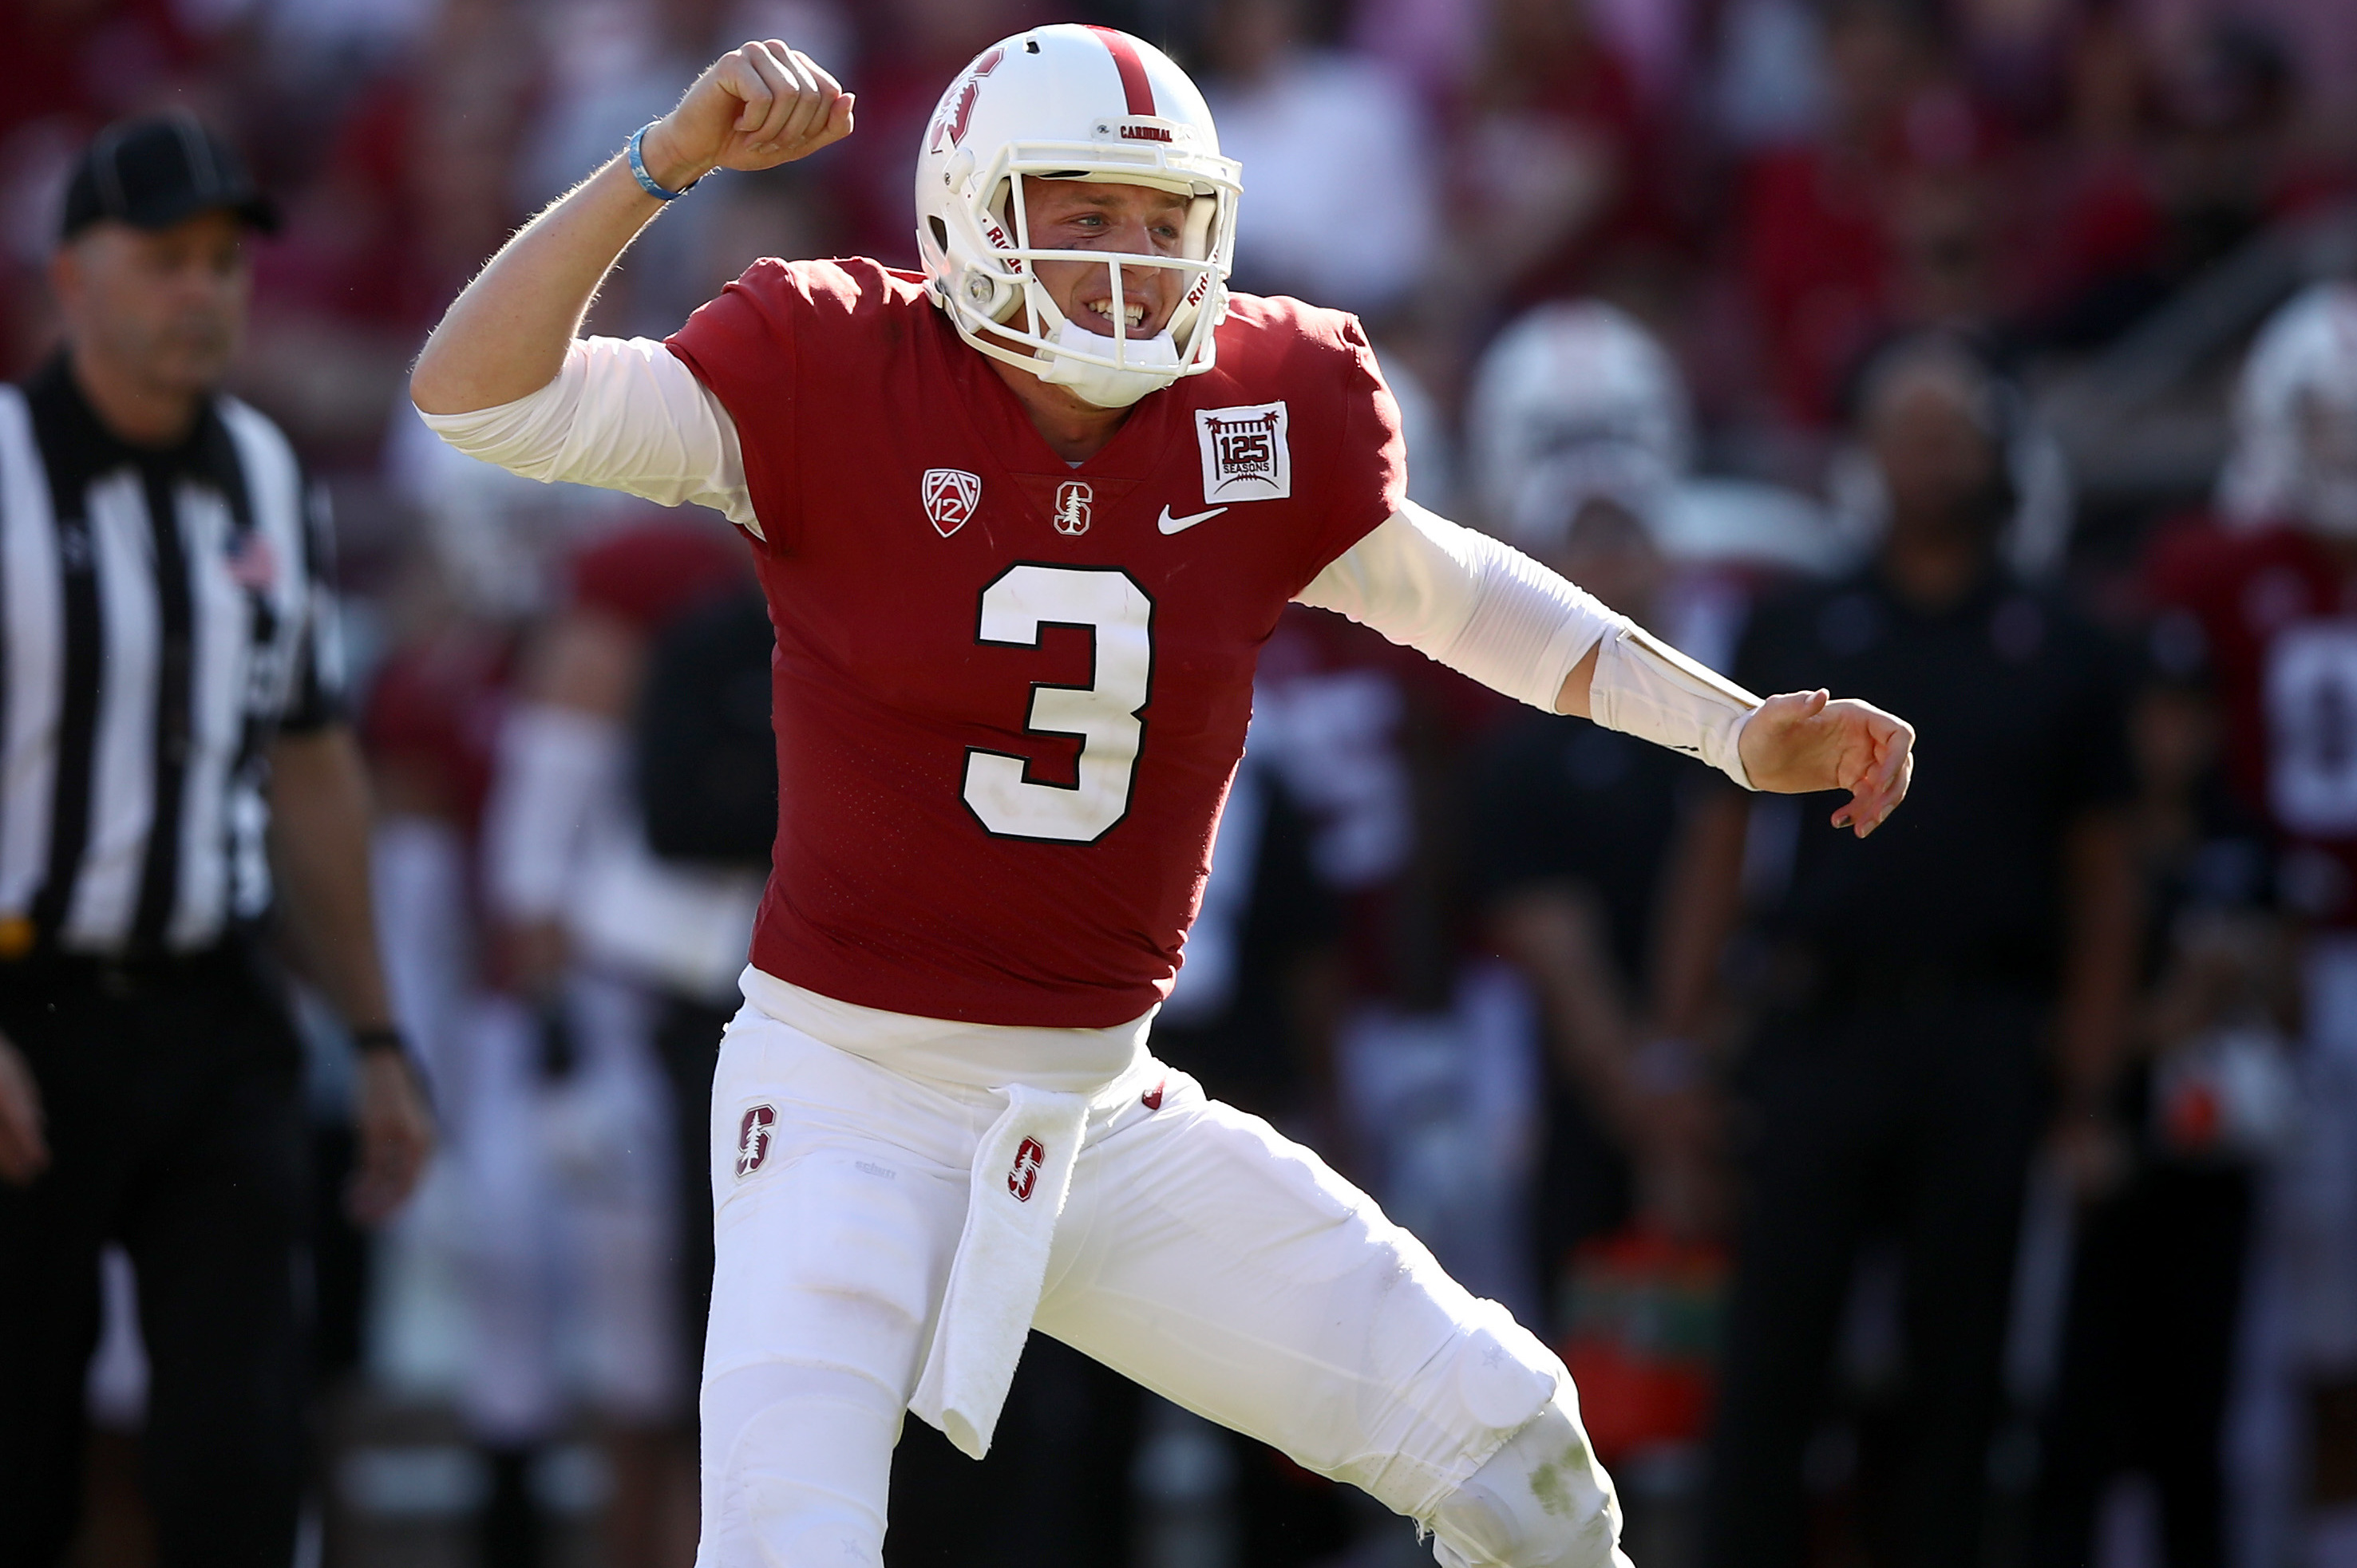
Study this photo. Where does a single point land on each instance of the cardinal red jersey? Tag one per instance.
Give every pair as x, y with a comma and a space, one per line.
2279, 617
1009, 693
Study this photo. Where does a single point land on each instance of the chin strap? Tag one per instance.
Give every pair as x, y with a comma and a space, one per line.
1154, 365
1646, 688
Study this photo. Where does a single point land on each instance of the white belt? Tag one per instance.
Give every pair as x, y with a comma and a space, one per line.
1022, 1171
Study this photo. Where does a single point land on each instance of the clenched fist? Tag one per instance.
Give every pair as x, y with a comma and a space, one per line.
754, 108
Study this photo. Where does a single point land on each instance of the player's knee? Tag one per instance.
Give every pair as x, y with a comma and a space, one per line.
1541, 1501
796, 1461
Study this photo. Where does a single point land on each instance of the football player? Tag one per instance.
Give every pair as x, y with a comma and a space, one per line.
2270, 597
1024, 519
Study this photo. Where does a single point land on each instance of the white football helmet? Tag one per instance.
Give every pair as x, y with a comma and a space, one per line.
1070, 102
2294, 456
1575, 401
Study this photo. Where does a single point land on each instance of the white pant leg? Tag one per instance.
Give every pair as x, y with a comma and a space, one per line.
831, 1253
513, 1392
1200, 1254
611, 1148
1232, 1271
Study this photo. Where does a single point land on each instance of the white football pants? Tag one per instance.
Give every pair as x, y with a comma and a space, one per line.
1199, 1253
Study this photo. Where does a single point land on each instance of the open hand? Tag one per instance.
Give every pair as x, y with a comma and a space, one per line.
1805, 741
396, 1135
24, 1151
754, 108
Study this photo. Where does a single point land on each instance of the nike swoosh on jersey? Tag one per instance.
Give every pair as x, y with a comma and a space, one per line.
1169, 524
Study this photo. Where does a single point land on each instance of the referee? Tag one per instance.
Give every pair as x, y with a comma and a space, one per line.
172, 750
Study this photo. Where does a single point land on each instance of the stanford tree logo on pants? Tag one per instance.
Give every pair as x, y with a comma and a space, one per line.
753, 1139
1024, 1174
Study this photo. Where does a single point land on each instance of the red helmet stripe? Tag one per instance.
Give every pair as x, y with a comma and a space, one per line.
1133, 85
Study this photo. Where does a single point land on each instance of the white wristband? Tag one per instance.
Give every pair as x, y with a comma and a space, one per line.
1646, 688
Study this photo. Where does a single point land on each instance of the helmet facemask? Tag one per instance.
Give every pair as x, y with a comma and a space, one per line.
1000, 305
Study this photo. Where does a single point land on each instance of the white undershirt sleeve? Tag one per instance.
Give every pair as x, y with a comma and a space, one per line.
623, 414
1489, 611
1479, 607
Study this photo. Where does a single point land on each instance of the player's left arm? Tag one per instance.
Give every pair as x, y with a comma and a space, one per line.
1794, 744
1488, 610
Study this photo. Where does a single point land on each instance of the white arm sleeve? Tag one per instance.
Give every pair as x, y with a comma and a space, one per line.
623, 414
1477, 606
1644, 687
1489, 611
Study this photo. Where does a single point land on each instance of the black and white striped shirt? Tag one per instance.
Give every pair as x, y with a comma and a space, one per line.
163, 614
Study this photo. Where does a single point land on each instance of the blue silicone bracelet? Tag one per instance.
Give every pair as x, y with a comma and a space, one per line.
646, 181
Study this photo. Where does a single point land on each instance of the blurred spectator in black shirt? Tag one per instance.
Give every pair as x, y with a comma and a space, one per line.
1573, 823
2156, 1293
1585, 433
1898, 1075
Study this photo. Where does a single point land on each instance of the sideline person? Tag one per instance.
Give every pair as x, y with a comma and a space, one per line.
177, 772
1929, 1004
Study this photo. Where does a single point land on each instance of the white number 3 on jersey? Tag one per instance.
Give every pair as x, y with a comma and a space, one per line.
1103, 714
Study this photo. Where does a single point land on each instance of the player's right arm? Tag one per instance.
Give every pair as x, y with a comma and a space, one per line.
508, 333
1487, 610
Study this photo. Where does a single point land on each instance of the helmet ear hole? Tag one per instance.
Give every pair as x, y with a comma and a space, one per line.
941, 232
993, 297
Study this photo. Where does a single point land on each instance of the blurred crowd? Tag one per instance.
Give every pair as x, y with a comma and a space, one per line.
1981, 1193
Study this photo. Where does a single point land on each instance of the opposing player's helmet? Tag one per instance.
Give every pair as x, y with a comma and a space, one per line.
1575, 401
2295, 453
1072, 103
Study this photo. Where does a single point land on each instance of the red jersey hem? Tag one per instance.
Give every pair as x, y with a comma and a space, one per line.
919, 995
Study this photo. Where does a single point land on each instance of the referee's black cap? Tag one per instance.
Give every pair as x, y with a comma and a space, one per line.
158, 170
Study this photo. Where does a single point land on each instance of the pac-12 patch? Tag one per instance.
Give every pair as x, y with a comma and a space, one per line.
950, 496
1245, 457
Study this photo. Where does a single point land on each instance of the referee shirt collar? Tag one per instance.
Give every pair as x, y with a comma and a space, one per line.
93, 448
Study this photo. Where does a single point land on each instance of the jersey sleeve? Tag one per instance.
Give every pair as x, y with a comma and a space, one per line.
1369, 479
745, 348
